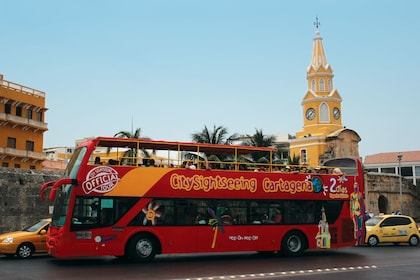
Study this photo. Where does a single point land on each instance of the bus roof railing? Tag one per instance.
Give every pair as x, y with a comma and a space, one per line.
143, 143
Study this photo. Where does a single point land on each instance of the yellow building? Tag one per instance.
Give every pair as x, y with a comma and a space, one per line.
323, 136
22, 126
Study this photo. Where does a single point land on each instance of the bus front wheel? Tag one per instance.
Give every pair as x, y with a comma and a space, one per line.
293, 244
142, 248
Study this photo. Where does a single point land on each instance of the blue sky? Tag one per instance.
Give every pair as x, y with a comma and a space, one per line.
171, 67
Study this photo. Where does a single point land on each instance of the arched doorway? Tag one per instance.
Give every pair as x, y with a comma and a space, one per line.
383, 204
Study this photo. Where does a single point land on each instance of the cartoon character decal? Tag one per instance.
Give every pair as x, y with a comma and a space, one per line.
356, 213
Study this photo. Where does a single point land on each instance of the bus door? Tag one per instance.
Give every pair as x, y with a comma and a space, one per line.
90, 220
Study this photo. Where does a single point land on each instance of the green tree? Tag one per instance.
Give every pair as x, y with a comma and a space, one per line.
131, 154
260, 140
216, 136
295, 160
128, 134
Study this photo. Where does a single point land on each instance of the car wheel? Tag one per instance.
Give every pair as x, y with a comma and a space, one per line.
293, 244
373, 240
25, 251
142, 248
413, 241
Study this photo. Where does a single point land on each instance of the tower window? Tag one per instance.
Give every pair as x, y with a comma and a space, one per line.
321, 85
313, 85
324, 115
303, 156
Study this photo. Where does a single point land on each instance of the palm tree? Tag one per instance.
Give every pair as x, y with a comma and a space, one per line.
295, 160
260, 140
128, 134
217, 136
131, 154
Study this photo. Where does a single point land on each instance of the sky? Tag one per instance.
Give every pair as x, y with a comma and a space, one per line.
172, 67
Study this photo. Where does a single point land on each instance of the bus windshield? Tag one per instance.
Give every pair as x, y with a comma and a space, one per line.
64, 192
74, 164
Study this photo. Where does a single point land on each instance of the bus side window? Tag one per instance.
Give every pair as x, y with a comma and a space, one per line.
106, 216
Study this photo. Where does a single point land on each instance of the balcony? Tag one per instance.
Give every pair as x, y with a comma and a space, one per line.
21, 154
5, 118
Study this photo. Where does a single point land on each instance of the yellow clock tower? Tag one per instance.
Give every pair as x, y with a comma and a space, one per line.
323, 135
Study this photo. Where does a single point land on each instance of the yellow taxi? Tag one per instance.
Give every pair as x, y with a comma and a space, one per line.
392, 229
26, 242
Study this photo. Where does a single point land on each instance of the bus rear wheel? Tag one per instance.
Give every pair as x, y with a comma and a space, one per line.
293, 244
142, 248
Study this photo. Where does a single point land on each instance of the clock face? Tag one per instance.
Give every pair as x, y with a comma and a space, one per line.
336, 113
310, 114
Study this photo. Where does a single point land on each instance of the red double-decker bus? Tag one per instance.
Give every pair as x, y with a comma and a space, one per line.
137, 198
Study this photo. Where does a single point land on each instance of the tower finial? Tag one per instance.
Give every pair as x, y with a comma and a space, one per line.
317, 23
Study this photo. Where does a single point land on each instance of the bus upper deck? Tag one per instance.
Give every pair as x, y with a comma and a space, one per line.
146, 153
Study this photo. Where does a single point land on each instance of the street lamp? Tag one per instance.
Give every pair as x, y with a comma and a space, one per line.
399, 157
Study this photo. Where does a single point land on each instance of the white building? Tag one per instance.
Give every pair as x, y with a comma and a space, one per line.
389, 163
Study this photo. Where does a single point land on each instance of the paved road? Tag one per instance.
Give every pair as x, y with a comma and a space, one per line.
382, 262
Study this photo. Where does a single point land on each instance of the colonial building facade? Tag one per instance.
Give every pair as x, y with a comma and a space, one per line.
22, 126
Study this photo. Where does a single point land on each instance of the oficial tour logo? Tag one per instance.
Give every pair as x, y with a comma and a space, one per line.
101, 179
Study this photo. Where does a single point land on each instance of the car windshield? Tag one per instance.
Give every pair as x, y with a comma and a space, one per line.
373, 221
35, 227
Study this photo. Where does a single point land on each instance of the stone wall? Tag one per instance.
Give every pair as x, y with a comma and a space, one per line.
20, 203
383, 195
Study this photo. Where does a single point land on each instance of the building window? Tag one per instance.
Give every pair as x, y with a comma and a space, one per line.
29, 114
417, 170
32, 167
30, 146
388, 170
7, 108
5, 164
321, 85
324, 115
17, 165
407, 171
11, 142
303, 157
19, 111
39, 116
373, 170
313, 85
329, 85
